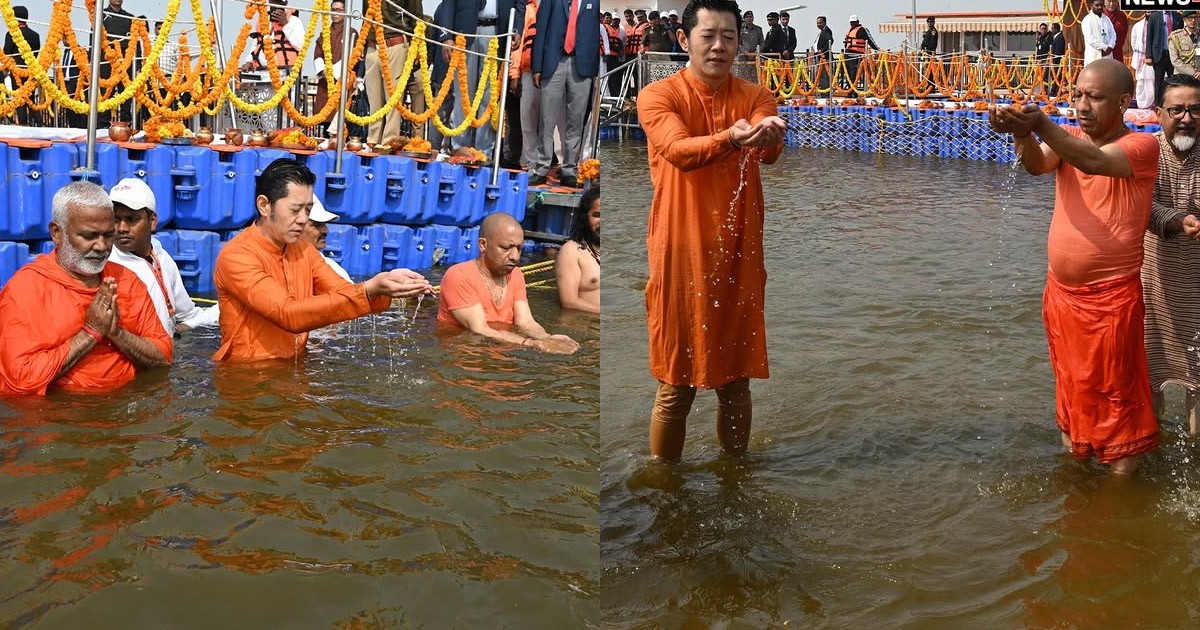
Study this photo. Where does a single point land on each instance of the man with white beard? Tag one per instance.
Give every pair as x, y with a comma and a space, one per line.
1171, 287
72, 320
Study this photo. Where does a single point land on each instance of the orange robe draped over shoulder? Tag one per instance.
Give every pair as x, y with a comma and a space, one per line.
270, 298
42, 307
704, 299
1092, 306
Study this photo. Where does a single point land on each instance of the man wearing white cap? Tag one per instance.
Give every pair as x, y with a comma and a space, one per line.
856, 43
141, 253
315, 232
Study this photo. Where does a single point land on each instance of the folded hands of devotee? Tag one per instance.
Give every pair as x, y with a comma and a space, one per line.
102, 315
556, 344
1018, 120
399, 283
768, 132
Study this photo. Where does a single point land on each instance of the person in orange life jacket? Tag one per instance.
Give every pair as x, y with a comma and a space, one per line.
288, 33
856, 43
527, 97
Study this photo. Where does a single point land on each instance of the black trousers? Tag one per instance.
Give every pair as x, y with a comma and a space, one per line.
1163, 68
614, 80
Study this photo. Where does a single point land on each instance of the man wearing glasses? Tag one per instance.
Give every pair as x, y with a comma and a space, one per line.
1182, 45
1172, 290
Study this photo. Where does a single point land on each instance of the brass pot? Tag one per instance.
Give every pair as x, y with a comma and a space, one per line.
257, 139
120, 131
233, 137
204, 136
353, 143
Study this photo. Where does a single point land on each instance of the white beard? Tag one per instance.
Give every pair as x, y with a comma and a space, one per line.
78, 262
1182, 143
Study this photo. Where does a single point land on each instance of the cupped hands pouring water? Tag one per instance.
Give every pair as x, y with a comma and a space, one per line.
767, 133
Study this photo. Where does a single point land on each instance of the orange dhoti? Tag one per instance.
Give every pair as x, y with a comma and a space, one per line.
1101, 381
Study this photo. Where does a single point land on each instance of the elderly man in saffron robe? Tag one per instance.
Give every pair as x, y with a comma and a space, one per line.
72, 320
707, 132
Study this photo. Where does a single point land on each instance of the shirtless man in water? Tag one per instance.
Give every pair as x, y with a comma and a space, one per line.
577, 267
1092, 306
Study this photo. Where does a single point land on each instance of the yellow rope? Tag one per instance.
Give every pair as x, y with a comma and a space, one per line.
538, 267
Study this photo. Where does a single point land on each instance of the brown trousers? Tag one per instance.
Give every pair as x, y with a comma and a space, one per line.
668, 420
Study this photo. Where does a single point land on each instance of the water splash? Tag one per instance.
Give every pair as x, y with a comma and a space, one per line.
420, 298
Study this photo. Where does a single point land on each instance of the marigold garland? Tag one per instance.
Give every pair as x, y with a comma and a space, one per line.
162, 94
589, 170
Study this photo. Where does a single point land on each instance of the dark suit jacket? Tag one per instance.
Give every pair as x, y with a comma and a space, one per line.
1058, 46
825, 41
552, 33
791, 39
776, 40
1156, 35
463, 16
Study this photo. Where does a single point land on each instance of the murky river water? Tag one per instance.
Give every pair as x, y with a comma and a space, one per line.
905, 468
397, 477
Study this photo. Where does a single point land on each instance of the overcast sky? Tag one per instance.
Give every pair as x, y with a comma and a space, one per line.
870, 12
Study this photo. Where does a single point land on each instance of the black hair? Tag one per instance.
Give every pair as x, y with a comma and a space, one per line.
274, 180
1056, 27
1178, 80
1042, 24
785, 14
822, 17
691, 12
581, 230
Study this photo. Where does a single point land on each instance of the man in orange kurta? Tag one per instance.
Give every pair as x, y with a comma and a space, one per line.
71, 320
1092, 307
707, 131
273, 288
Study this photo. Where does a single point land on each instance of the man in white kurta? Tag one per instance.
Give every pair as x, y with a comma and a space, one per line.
1143, 66
1099, 34
135, 249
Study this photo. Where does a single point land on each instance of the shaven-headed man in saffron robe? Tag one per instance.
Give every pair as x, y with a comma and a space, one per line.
706, 130
274, 288
1093, 306
72, 320
487, 295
